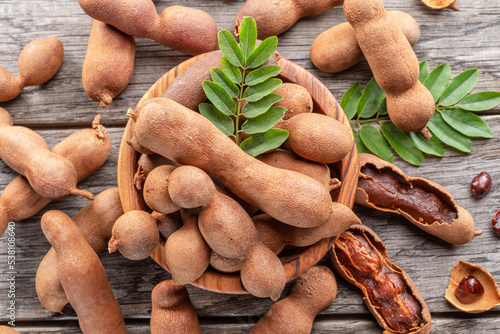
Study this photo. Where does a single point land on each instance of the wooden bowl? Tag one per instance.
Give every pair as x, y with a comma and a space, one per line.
295, 264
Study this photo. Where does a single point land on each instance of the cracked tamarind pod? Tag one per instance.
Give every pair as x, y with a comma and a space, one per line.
38, 62
441, 4
360, 256
426, 204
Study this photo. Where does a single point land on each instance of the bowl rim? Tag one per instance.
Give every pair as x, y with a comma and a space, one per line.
295, 265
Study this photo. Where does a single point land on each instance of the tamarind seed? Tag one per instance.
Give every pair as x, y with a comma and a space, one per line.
496, 222
481, 184
469, 290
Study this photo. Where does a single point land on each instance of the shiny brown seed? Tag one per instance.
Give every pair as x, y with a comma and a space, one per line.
481, 184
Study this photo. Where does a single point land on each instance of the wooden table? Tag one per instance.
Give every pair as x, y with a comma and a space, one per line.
469, 38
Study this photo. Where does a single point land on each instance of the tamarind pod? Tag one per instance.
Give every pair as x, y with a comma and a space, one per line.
225, 264
95, 221
109, 63
145, 164
360, 256
430, 206
188, 30
313, 291
163, 126
167, 223
86, 149
277, 16
90, 295
337, 48
191, 81
395, 66
172, 311
38, 62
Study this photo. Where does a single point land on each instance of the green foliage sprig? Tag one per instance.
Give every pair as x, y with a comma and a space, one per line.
242, 89
453, 122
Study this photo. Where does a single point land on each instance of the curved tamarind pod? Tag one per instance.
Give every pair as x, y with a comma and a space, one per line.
160, 123
337, 49
86, 149
426, 204
109, 63
395, 66
277, 16
188, 30
95, 221
90, 294
38, 62
360, 256
313, 291
172, 311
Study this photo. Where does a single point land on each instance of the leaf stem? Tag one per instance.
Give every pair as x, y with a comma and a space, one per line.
238, 109
369, 120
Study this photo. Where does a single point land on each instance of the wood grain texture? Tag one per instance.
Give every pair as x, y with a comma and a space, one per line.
467, 39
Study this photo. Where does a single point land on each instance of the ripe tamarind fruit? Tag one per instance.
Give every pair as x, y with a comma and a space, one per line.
276, 16
90, 294
172, 311
156, 193
135, 234
188, 30
395, 66
426, 204
109, 63
95, 222
50, 175
273, 190
225, 264
318, 137
187, 254
337, 49
86, 149
38, 62
313, 292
